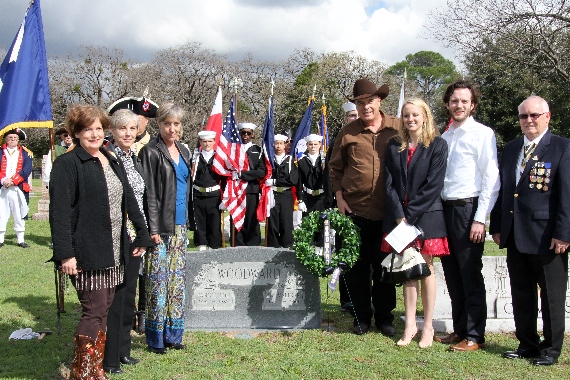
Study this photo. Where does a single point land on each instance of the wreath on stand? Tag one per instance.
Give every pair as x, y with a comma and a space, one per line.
343, 258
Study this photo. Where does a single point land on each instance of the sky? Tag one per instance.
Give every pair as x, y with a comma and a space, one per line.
385, 30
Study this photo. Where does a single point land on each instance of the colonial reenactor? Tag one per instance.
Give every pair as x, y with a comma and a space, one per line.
144, 108
61, 148
285, 174
250, 234
15, 168
310, 191
206, 192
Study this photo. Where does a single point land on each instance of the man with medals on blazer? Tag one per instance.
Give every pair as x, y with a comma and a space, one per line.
310, 191
532, 220
285, 174
206, 195
250, 233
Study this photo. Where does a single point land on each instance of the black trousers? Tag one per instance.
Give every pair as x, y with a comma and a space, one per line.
550, 272
120, 318
208, 221
280, 231
358, 277
314, 203
463, 276
250, 234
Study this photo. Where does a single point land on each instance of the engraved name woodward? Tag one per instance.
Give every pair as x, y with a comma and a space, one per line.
212, 287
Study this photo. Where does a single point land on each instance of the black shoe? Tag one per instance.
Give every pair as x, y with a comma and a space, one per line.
175, 346
1, 245
360, 328
346, 307
115, 370
129, 360
23, 245
520, 353
387, 330
160, 351
545, 360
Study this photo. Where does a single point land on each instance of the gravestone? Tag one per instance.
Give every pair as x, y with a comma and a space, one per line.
250, 288
43, 204
499, 301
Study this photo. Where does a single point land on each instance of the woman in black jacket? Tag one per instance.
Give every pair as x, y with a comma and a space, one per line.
89, 201
166, 166
415, 169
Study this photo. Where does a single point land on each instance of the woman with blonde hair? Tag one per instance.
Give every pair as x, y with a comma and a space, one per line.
415, 170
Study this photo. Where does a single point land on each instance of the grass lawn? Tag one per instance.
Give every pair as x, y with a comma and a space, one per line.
27, 300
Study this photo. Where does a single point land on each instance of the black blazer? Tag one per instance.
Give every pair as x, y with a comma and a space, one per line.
422, 182
79, 211
538, 215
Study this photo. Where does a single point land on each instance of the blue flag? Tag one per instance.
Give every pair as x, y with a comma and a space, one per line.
268, 136
230, 130
299, 145
24, 85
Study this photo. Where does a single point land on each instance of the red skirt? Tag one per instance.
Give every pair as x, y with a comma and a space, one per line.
434, 247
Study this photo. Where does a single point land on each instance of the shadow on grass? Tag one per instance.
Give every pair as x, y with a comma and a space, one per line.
33, 359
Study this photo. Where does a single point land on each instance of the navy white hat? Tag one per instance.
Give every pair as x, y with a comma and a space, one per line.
280, 137
140, 106
313, 137
251, 126
348, 106
207, 135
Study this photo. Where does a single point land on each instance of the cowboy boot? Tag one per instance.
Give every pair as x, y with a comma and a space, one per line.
97, 371
83, 348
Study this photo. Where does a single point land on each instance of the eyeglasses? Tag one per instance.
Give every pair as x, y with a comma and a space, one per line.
533, 116
65, 135
247, 133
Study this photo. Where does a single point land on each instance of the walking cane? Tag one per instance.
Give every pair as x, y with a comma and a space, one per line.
223, 230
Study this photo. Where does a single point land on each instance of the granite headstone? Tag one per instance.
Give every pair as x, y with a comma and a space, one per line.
250, 288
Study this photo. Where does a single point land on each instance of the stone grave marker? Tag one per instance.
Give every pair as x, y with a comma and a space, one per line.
250, 288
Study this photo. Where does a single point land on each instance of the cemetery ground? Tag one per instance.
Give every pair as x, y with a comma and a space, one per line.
27, 299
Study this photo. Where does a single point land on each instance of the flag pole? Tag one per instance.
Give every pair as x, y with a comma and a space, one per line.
267, 219
235, 83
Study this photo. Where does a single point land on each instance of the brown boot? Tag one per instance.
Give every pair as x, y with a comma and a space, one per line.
83, 349
97, 371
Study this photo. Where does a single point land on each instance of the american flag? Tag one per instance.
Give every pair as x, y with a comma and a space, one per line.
266, 201
230, 157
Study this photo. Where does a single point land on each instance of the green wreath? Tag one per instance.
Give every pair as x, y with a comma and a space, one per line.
304, 236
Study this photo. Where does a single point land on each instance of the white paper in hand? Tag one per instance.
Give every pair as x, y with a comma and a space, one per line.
402, 235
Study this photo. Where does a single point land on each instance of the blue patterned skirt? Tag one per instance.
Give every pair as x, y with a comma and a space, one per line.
165, 272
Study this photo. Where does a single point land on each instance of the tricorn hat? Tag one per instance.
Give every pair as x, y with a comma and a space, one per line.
140, 106
16, 131
363, 88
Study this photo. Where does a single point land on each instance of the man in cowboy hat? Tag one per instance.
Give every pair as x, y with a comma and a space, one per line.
144, 108
357, 179
15, 168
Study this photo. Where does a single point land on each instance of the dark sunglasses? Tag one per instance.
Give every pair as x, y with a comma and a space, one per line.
533, 116
245, 133
64, 135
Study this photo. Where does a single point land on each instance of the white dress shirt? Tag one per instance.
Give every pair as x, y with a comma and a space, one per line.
526, 142
279, 159
472, 167
207, 155
11, 155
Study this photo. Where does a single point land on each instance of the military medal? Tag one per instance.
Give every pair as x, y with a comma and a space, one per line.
539, 186
535, 158
547, 180
545, 188
531, 186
